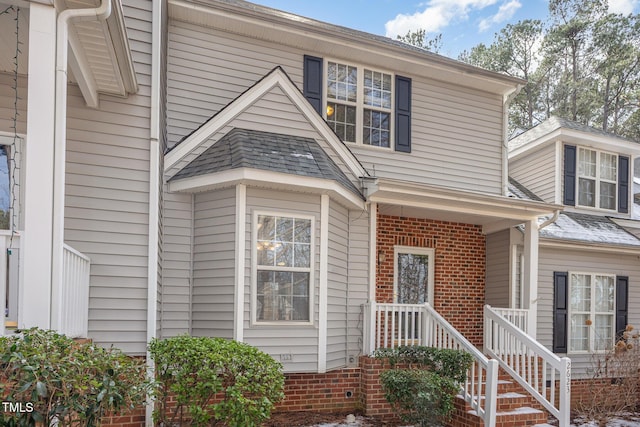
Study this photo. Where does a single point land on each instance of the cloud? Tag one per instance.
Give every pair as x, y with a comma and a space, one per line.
437, 15
506, 12
623, 6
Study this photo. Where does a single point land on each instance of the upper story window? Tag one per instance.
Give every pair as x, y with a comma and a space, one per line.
359, 104
597, 179
283, 268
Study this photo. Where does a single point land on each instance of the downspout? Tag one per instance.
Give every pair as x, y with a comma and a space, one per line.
550, 221
155, 177
506, 101
60, 144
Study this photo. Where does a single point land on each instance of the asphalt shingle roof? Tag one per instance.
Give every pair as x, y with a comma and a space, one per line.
245, 148
519, 191
589, 229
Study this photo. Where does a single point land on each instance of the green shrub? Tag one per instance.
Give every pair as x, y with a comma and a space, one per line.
423, 394
213, 379
60, 379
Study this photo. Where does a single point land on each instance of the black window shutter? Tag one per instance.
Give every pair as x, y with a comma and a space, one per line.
312, 81
570, 175
403, 114
622, 293
623, 184
560, 311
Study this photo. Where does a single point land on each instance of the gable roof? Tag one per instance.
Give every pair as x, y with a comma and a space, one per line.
267, 151
557, 128
185, 151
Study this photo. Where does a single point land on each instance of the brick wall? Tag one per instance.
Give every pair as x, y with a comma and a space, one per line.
333, 391
459, 267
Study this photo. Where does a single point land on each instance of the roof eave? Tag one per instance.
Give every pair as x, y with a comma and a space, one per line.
271, 24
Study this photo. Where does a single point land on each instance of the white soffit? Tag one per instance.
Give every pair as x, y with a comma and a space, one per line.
100, 57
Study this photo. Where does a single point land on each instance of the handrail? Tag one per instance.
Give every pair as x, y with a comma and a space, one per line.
530, 363
390, 324
518, 316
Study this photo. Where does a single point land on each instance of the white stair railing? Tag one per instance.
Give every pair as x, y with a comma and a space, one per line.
518, 316
391, 325
74, 297
544, 375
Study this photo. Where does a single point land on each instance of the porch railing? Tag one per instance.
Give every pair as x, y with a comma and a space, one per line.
544, 375
518, 316
390, 325
74, 298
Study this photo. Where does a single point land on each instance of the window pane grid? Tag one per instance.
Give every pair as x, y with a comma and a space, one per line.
592, 308
359, 104
597, 179
376, 129
283, 276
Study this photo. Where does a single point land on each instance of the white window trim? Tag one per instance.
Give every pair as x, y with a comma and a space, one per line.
254, 269
359, 104
415, 250
597, 179
8, 139
591, 313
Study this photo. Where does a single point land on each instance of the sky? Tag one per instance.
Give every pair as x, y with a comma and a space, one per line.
463, 23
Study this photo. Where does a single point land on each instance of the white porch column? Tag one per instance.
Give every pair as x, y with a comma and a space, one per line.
530, 288
36, 245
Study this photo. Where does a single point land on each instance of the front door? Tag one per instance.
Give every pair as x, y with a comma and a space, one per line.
413, 275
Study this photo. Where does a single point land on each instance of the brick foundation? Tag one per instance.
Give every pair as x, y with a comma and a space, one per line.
332, 391
459, 267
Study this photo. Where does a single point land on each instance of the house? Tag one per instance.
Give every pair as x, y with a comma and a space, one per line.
588, 273
225, 169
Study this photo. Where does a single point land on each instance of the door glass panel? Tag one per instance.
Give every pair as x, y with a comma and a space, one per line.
413, 278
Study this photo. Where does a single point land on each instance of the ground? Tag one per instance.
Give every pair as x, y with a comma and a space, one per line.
317, 419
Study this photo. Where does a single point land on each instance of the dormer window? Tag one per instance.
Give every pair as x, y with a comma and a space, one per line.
597, 179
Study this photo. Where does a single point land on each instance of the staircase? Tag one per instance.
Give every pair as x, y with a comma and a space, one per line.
514, 408
516, 382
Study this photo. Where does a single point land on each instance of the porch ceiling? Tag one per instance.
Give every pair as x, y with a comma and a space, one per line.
493, 213
99, 57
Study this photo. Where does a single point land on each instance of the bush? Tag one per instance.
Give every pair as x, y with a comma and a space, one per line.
423, 394
213, 379
75, 384
616, 381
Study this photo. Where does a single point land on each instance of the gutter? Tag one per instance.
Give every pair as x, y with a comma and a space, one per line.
60, 142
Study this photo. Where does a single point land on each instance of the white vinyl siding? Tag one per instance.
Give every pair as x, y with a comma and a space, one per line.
297, 342
7, 99
358, 280
337, 286
561, 259
456, 132
176, 272
497, 269
107, 196
214, 264
537, 172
